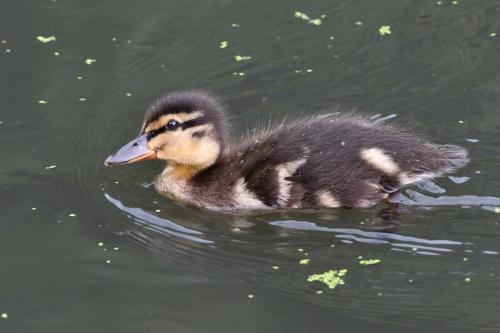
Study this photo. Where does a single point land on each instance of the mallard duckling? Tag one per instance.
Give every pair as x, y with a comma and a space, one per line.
325, 161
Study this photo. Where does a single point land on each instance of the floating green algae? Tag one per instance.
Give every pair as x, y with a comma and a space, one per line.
301, 15
305, 17
316, 21
384, 30
47, 39
242, 58
368, 262
331, 278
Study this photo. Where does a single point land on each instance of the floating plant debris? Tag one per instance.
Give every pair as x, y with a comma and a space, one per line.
223, 44
47, 39
316, 21
304, 261
90, 61
242, 58
331, 278
384, 30
368, 262
305, 17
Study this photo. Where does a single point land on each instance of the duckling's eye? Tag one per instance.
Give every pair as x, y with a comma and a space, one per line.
172, 124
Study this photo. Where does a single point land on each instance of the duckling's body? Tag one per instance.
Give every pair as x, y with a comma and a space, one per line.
326, 161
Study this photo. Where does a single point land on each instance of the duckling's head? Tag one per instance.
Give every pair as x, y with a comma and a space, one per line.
184, 128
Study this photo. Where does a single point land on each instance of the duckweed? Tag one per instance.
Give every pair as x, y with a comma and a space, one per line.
316, 21
242, 58
223, 44
304, 261
331, 278
305, 17
47, 39
4, 315
367, 262
90, 61
49, 167
384, 30
42, 101
301, 15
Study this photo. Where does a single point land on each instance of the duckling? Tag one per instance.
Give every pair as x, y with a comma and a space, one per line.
325, 161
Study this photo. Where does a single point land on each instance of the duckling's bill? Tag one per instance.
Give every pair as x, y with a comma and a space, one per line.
134, 151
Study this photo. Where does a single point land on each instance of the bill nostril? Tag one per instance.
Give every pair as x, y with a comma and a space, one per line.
135, 144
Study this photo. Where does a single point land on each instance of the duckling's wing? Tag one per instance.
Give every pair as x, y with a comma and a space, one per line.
334, 161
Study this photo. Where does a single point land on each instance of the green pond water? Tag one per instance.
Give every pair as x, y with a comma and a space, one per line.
84, 248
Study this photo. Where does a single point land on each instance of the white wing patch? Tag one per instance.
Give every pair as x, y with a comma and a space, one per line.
245, 199
378, 159
286, 170
327, 200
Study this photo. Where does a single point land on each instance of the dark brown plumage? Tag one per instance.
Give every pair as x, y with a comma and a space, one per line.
324, 161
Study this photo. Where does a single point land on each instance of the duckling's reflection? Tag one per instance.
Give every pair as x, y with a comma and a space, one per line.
219, 230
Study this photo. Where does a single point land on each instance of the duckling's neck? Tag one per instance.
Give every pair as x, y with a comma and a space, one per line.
182, 172
179, 181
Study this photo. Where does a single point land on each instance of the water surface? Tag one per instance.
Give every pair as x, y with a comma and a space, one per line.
86, 248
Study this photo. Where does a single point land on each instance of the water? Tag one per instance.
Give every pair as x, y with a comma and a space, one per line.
86, 248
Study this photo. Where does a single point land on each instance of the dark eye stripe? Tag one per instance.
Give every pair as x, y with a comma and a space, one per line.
187, 124
193, 122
